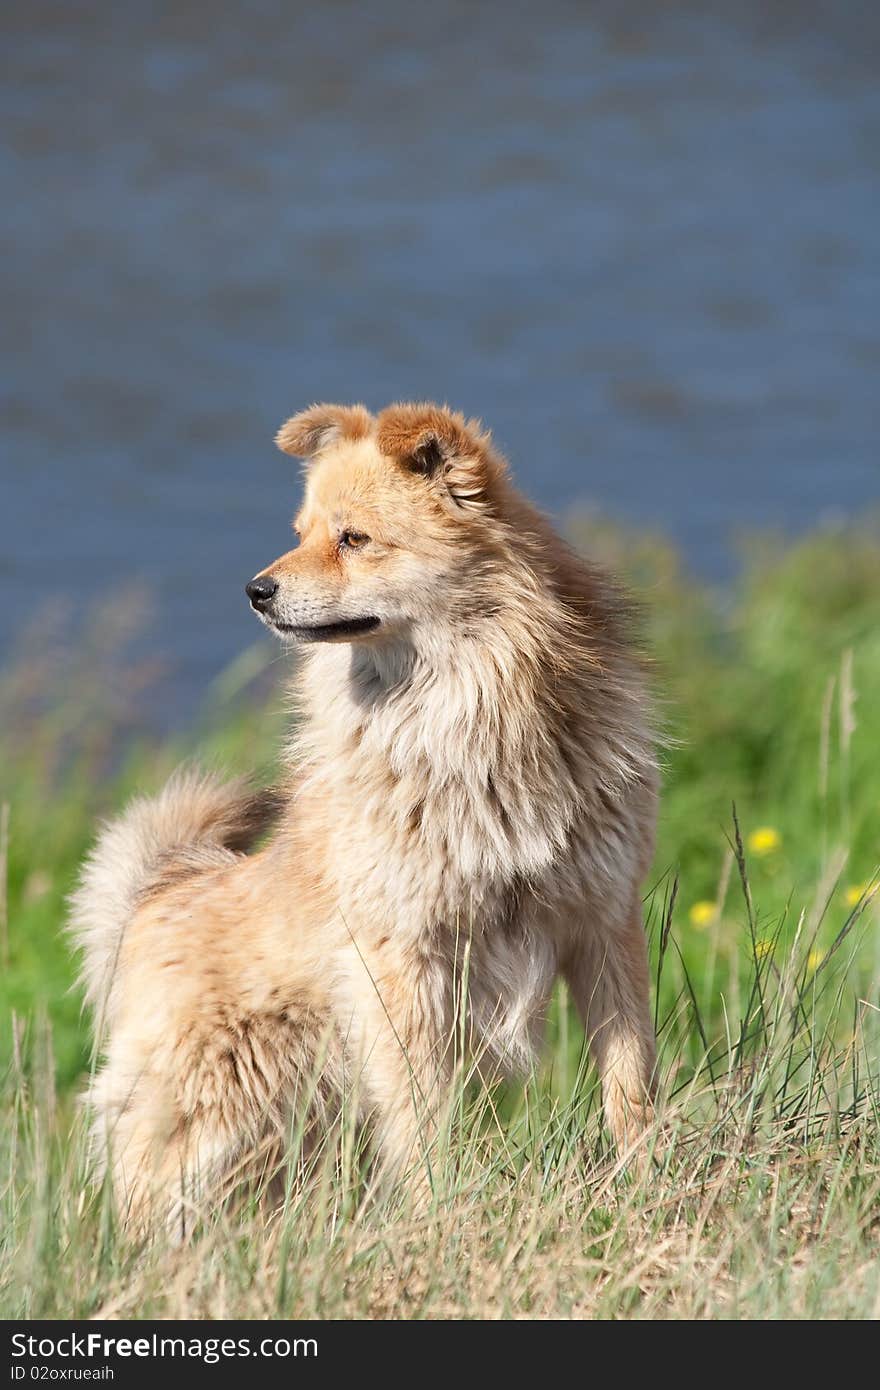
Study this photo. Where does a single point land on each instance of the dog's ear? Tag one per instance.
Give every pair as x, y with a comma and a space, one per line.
439, 444
307, 433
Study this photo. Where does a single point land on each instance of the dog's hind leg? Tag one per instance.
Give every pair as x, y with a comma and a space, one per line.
190, 1117
607, 974
173, 1181
164, 1159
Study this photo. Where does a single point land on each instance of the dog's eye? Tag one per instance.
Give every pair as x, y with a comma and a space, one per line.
352, 540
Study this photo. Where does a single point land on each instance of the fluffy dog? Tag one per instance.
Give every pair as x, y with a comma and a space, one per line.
473, 769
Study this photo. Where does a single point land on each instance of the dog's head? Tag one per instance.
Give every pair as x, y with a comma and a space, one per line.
399, 508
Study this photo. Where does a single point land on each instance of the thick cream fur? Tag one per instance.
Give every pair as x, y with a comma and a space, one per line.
476, 776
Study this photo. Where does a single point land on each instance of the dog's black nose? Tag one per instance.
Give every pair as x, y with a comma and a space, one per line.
261, 590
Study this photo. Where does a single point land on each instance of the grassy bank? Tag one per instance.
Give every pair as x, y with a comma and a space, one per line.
766, 951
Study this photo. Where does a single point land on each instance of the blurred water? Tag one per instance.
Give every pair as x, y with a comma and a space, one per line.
641, 241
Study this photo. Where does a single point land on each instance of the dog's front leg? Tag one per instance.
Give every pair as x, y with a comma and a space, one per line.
608, 976
399, 1036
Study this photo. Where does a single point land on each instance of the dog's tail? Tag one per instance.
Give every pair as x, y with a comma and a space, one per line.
195, 821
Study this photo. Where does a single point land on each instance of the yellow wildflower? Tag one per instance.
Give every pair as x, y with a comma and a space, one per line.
815, 959
763, 948
764, 840
854, 894
703, 914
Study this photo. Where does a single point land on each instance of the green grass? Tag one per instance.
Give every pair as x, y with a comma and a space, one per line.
766, 952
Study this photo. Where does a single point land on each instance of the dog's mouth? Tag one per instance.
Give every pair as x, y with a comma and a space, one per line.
326, 632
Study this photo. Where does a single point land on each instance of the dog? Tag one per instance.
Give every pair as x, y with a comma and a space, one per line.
473, 770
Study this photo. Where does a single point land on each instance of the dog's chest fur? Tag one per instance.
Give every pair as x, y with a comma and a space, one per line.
458, 811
